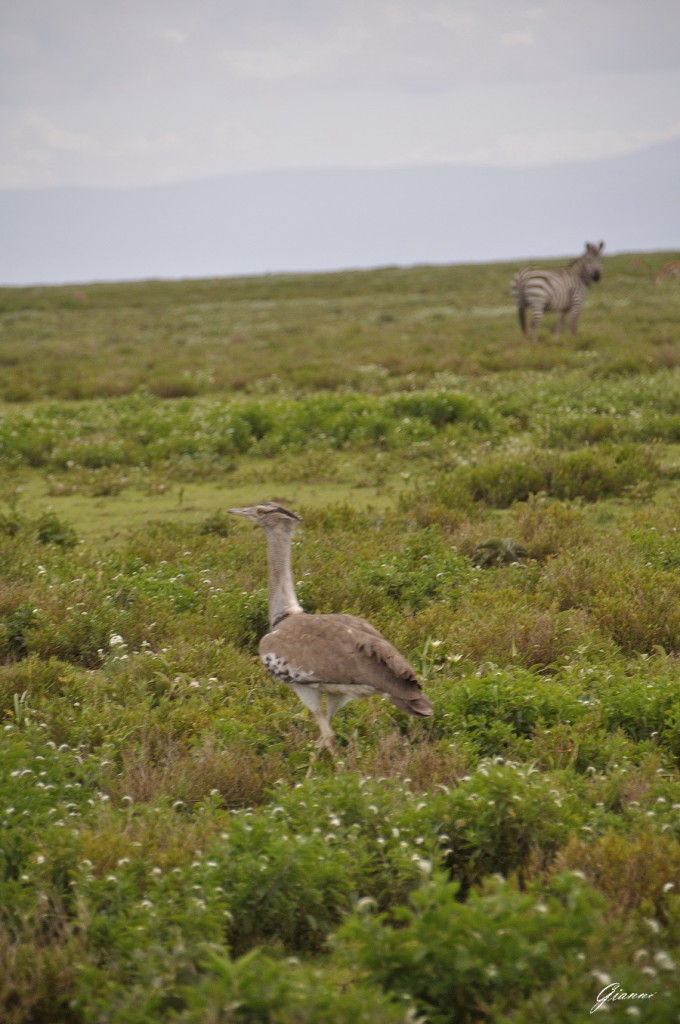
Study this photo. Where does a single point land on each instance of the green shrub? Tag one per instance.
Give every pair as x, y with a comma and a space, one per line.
500, 481
424, 570
659, 547
242, 617
638, 606
390, 848
47, 527
51, 530
15, 629
585, 746
281, 885
523, 700
501, 819
10, 523
468, 961
440, 408
205, 984
593, 474
141, 428
641, 706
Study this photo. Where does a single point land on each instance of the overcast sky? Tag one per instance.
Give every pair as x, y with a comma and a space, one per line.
139, 92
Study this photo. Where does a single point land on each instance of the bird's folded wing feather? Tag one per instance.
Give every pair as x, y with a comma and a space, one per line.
341, 649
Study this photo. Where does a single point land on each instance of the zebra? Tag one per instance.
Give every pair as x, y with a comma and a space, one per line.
562, 290
668, 270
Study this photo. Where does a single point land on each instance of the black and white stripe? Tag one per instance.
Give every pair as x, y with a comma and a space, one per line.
562, 291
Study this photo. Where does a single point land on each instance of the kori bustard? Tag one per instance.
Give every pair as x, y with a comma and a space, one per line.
341, 656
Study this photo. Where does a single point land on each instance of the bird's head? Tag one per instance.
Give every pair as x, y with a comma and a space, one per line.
269, 515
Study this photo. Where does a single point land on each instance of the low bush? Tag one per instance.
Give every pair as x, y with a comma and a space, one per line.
499, 820
500, 481
282, 885
38, 973
505, 625
19, 619
629, 871
638, 606
206, 984
439, 408
659, 547
546, 526
140, 429
425, 569
475, 960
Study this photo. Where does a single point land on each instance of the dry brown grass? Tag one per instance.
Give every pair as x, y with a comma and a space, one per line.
504, 625
628, 871
396, 756
637, 605
546, 527
240, 774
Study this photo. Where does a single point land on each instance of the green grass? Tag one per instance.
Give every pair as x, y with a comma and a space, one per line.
505, 512
365, 330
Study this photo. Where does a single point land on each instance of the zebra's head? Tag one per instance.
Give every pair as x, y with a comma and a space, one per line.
591, 262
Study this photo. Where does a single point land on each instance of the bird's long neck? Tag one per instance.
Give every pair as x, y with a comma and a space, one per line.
282, 599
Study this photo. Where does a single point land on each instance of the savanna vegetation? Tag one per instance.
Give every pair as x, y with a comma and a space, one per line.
505, 512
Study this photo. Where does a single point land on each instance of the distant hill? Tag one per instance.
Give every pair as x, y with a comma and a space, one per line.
332, 219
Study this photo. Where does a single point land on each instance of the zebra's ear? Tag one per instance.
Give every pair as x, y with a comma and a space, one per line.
600, 247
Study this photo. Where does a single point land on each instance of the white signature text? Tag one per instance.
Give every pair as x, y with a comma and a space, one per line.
612, 992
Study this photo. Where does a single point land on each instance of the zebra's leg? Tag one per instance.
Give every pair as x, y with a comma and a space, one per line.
536, 318
573, 320
560, 322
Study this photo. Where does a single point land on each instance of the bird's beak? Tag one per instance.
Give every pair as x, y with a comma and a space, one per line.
249, 513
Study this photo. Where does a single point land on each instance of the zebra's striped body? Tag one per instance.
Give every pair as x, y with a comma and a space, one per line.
562, 291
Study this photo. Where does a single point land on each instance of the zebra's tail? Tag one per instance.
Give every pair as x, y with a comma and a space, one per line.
522, 313
518, 295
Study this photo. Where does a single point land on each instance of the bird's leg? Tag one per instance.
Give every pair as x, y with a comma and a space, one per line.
335, 701
311, 698
326, 740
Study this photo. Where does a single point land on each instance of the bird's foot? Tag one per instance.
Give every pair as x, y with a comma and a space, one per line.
324, 743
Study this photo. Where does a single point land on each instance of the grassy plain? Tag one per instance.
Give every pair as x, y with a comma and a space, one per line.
507, 513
